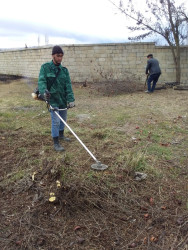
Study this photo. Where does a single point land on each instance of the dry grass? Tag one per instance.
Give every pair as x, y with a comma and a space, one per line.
127, 130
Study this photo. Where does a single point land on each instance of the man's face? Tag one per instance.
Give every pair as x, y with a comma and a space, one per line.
57, 59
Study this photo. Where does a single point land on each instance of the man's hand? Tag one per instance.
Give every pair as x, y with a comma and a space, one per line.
47, 95
71, 104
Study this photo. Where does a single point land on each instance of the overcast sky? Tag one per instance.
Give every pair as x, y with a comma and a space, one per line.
24, 22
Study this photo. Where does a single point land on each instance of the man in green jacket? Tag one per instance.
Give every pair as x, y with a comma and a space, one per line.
55, 85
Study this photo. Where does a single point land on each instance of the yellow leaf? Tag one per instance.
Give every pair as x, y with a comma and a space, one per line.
52, 194
52, 199
58, 183
33, 176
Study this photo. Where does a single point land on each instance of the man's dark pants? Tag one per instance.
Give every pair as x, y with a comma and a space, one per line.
152, 78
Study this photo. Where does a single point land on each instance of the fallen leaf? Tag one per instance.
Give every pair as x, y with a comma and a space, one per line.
52, 199
33, 176
163, 207
58, 183
77, 228
146, 215
151, 201
145, 240
154, 239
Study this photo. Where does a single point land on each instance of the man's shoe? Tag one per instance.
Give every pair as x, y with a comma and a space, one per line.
62, 137
147, 91
57, 146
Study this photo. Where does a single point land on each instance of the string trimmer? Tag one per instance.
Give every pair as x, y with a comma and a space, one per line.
97, 165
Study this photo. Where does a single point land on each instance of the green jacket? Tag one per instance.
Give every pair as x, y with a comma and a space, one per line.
60, 87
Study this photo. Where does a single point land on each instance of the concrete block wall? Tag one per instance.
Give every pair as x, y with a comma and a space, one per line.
96, 62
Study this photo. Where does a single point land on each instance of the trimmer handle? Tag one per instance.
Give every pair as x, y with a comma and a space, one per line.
47, 96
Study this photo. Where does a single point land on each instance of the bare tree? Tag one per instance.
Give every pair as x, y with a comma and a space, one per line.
160, 17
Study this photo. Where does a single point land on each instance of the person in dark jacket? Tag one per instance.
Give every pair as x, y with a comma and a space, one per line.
153, 71
55, 85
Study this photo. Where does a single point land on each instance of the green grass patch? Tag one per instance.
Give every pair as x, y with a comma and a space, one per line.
160, 152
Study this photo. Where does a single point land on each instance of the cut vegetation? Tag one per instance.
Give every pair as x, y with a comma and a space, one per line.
53, 200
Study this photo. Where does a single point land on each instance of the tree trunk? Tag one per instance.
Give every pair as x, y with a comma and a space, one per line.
176, 58
178, 67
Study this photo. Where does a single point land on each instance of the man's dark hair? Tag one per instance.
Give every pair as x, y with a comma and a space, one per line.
150, 55
57, 50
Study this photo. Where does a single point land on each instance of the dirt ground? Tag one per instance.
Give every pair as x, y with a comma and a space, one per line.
95, 210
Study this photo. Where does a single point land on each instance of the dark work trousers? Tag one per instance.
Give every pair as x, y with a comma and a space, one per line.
152, 79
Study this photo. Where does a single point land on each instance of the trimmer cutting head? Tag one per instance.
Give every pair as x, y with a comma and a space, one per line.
99, 166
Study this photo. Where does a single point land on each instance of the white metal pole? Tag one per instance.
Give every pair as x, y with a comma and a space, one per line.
76, 136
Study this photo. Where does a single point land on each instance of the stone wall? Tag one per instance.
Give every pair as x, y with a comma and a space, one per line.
97, 62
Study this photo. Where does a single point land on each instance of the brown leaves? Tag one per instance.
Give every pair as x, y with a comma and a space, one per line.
152, 238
